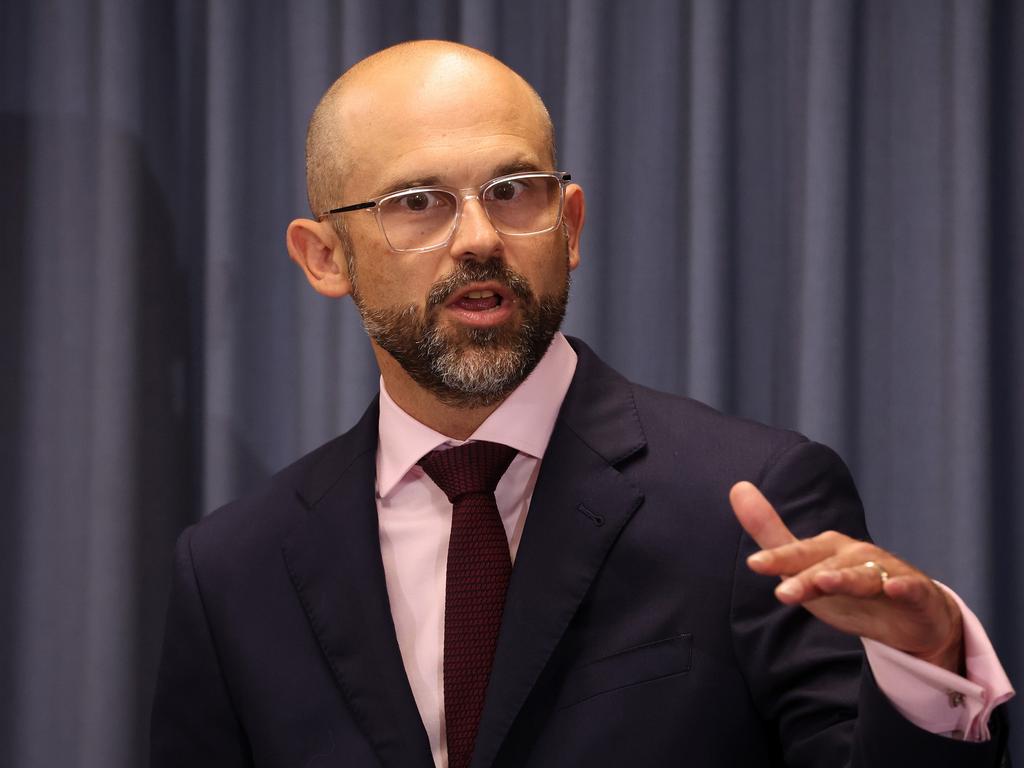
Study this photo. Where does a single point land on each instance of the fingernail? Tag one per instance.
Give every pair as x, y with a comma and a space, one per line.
788, 588
759, 558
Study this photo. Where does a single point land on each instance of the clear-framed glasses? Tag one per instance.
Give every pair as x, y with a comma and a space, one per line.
424, 218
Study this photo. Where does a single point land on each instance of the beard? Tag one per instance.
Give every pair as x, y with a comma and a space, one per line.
463, 366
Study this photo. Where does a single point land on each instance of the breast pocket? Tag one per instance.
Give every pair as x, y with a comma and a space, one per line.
633, 666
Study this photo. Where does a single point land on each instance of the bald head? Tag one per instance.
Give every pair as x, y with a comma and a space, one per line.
392, 93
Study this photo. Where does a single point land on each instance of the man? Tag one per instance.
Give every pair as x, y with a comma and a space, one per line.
357, 610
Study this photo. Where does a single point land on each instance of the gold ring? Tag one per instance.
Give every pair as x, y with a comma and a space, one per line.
883, 574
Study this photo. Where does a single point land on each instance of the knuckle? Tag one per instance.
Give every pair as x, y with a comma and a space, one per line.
801, 549
831, 538
863, 549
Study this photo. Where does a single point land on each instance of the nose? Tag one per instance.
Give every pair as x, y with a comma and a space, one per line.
475, 237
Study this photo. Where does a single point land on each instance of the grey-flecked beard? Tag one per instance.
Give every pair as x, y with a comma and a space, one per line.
464, 366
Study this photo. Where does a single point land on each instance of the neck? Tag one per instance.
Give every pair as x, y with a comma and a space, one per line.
455, 421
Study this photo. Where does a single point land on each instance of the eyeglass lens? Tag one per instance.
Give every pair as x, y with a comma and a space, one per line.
517, 206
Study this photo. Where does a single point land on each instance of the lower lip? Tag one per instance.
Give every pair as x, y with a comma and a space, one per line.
482, 318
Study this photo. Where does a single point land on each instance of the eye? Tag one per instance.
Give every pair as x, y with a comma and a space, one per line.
420, 201
508, 190
417, 201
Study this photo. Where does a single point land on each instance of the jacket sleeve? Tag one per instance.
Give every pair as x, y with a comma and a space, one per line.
193, 720
808, 679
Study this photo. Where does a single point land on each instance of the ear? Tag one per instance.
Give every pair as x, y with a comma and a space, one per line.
316, 247
573, 215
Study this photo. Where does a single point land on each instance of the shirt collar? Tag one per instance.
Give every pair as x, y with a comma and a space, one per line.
523, 421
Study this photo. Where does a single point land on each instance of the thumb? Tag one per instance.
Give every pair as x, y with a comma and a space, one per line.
758, 517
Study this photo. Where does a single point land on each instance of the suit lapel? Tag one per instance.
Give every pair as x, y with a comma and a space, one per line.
334, 561
580, 505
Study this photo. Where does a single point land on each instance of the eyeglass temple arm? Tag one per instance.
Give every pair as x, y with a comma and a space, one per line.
347, 208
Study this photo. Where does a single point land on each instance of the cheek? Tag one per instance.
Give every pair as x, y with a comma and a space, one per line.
388, 279
547, 268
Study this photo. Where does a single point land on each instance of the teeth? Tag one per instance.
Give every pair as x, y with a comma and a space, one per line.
479, 294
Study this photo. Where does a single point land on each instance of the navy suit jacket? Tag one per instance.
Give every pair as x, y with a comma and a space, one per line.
633, 632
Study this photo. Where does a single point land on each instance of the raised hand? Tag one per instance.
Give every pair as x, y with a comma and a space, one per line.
889, 600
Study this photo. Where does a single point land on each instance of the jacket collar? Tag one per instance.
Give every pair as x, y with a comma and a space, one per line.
333, 558
579, 507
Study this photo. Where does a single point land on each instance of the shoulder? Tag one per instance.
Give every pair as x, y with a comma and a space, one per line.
738, 446
263, 516
672, 425
679, 449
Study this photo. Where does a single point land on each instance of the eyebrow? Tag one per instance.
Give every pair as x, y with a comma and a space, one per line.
515, 166
409, 183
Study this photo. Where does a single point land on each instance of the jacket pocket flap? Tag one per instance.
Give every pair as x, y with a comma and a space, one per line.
641, 664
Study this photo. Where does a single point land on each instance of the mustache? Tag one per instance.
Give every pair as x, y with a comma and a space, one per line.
469, 272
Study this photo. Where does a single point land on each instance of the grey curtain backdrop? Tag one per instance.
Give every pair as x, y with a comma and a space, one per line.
807, 212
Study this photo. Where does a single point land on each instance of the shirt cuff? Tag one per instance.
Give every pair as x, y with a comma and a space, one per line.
935, 699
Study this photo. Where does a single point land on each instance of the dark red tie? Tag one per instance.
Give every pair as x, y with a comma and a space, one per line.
479, 567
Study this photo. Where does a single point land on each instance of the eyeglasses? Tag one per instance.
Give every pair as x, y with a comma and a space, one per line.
424, 218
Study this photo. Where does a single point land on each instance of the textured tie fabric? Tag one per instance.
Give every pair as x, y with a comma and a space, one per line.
479, 567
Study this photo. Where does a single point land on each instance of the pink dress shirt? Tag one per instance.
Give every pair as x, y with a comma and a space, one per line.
415, 520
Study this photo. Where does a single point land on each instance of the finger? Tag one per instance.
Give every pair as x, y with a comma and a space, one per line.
797, 556
758, 517
841, 573
838, 576
830, 582
853, 581
802, 585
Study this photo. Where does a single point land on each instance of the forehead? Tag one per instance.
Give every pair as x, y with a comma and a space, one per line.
446, 120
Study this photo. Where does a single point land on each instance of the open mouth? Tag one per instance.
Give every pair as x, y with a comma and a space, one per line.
482, 304
480, 298
478, 301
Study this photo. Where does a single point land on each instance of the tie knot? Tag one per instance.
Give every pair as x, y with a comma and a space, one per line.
471, 468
